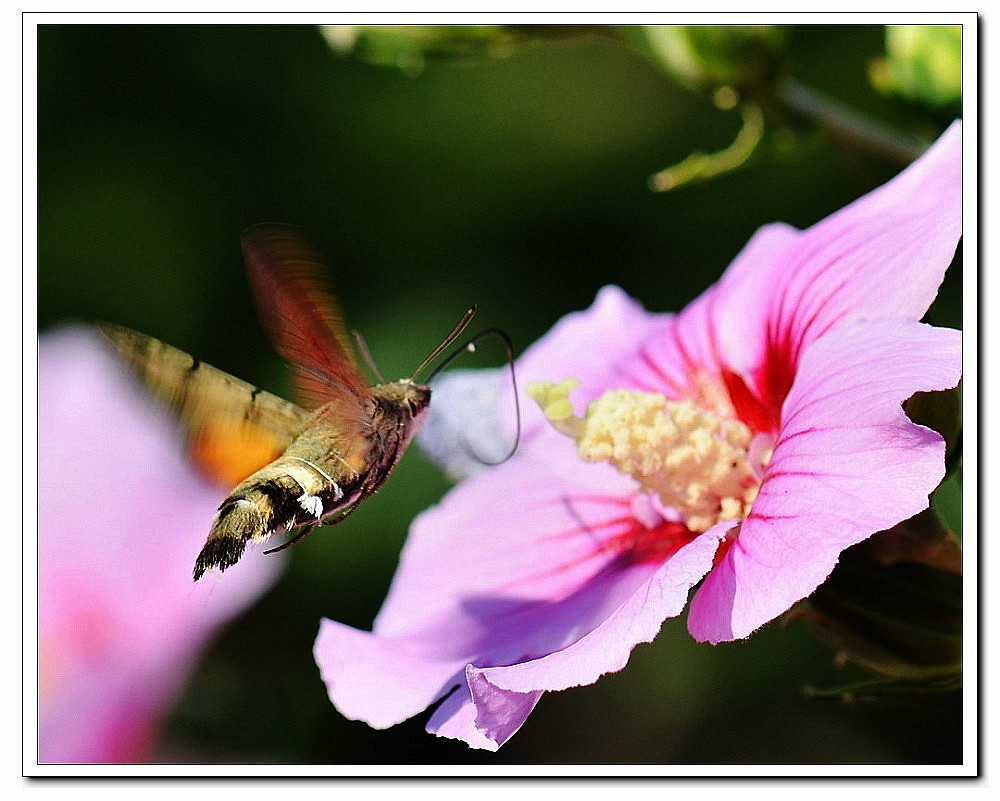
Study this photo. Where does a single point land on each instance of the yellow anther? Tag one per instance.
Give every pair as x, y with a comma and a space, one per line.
692, 459
554, 402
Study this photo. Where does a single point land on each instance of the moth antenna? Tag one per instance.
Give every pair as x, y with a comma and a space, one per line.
470, 347
367, 356
455, 333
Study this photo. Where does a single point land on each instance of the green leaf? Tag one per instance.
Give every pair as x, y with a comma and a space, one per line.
923, 63
408, 46
709, 56
893, 604
890, 688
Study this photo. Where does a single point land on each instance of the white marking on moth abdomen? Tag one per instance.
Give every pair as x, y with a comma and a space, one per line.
313, 504
218, 512
310, 502
317, 468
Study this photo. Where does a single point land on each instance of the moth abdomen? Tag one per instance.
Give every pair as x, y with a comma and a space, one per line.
287, 494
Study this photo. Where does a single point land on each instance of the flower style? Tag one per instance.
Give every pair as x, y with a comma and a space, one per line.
122, 516
746, 441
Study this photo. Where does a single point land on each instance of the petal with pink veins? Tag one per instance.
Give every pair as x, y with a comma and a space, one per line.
507, 534
847, 463
882, 256
638, 619
527, 587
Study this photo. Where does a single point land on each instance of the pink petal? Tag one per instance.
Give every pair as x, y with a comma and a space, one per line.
499, 713
718, 330
497, 700
882, 256
382, 680
507, 533
477, 583
456, 719
122, 516
486, 586
587, 345
638, 619
848, 463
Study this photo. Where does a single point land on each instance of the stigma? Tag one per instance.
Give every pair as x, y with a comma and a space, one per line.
704, 466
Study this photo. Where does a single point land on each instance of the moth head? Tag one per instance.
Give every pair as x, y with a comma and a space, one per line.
409, 397
417, 398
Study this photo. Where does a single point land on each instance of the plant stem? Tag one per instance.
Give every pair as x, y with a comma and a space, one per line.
702, 166
843, 123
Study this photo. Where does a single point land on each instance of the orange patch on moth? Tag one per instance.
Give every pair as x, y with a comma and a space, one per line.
227, 455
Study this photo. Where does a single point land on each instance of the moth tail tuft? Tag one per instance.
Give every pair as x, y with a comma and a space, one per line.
238, 521
219, 554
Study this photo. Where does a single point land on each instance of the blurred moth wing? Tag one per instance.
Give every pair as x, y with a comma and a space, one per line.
308, 465
235, 428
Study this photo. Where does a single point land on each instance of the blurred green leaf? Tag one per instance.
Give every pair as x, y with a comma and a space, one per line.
706, 57
893, 603
923, 63
947, 502
890, 688
408, 46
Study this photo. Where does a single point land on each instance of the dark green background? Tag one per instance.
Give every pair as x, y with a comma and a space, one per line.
516, 183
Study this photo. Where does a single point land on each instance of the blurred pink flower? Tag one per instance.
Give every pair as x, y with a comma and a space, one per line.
121, 518
750, 439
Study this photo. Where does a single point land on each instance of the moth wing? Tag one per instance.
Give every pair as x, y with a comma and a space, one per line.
235, 428
304, 320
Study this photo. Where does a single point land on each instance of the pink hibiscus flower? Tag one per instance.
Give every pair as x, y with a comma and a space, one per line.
746, 441
121, 518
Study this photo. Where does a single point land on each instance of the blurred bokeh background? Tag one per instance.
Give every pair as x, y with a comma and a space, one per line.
517, 179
